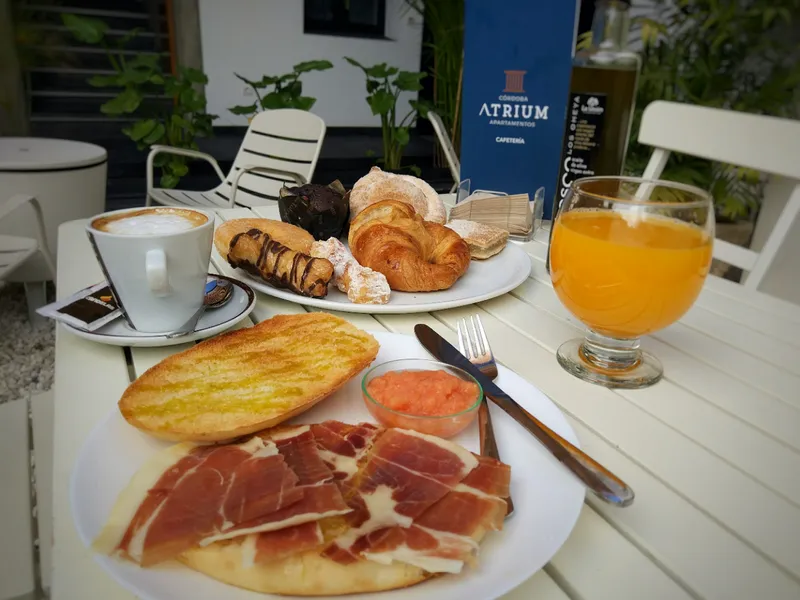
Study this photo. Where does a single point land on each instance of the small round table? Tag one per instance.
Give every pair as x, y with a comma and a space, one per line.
69, 180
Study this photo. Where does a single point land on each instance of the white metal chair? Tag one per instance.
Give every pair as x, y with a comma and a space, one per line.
280, 146
767, 144
15, 250
447, 147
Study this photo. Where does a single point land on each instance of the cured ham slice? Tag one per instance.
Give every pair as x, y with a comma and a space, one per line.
405, 474
333, 493
299, 449
446, 534
490, 477
342, 446
318, 502
275, 545
321, 497
189, 493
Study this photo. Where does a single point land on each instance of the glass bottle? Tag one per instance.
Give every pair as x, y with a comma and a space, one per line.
601, 101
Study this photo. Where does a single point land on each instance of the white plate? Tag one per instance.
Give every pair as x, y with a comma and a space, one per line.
212, 322
547, 498
485, 279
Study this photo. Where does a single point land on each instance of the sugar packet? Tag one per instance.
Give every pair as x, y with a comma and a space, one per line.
88, 309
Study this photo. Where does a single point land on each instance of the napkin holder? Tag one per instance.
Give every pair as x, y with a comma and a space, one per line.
517, 213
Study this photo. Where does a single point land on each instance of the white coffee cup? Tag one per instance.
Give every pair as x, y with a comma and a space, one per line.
155, 260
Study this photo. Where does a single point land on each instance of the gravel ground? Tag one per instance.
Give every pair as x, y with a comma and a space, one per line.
27, 353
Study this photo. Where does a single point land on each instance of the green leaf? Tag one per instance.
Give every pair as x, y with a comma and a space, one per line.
159, 160
145, 61
191, 101
140, 129
193, 75
180, 169
380, 71
355, 63
408, 81
126, 102
123, 41
768, 16
134, 76
312, 65
247, 81
266, 81
273, 100
295, 88
244, 110
85, 29
421, 106
156, 79
179, 122
415, 170
401, 136
103, 81
585, 41
304, 102
155, 135
168, 180
372, 85
381, 102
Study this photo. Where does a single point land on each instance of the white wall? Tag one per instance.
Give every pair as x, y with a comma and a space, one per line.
258, 37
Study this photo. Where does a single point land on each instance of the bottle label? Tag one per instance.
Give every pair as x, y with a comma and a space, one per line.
584, 130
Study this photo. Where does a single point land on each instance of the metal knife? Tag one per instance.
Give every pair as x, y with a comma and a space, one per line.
596, 477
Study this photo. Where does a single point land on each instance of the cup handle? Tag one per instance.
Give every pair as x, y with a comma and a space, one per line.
156, 270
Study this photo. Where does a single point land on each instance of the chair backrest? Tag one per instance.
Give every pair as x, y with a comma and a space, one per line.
447, 146
285, 139
767, 144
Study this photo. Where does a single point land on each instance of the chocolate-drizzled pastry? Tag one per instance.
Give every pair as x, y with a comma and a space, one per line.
257, 253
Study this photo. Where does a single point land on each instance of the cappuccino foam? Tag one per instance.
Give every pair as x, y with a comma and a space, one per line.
151, 222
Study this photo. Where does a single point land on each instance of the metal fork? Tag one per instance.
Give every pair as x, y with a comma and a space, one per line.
474, 345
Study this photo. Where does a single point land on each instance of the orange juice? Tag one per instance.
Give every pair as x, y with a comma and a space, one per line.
626, 274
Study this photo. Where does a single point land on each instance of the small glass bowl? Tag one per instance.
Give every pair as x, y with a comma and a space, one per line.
443, 426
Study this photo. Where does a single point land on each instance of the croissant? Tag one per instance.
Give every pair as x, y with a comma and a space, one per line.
258, 253
415, 255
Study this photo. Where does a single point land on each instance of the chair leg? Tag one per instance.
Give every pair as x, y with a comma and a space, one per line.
36, 296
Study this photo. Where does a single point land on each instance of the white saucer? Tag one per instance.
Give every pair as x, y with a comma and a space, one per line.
213, 321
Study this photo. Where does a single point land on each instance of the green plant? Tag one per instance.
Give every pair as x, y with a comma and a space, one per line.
732, 54
286, 92
178, 123
444, 20
384, 85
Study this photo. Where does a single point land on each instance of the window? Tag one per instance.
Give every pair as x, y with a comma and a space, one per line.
351, 18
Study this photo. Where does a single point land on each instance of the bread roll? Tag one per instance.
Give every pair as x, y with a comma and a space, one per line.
484, 240
377, 186
249, 379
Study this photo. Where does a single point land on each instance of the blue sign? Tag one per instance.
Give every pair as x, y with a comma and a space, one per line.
517, 67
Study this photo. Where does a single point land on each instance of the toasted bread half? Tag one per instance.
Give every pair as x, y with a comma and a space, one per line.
305, 574
249, 379
290, 236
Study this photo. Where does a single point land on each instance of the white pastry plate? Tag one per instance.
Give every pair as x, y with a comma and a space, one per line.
213, 321
547, 497
485, 279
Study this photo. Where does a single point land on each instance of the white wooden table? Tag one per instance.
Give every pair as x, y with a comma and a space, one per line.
712, 451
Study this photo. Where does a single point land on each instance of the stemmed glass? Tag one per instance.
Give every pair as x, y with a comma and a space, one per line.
628, 257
